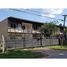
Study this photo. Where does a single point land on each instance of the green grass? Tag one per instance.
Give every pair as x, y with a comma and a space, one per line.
21, 54
58, 47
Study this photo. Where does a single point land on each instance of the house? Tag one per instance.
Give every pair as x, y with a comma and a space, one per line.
23, 33
13, 27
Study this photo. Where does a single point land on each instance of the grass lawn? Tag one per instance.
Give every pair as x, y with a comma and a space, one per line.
21, 54
58, 47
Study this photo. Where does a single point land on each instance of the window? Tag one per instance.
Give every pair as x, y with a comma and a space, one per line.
19, 26
23, 27
35, 26
13, 25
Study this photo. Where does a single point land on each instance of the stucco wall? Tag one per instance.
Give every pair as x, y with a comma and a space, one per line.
4, 28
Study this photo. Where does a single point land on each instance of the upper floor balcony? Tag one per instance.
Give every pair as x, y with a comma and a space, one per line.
22, 31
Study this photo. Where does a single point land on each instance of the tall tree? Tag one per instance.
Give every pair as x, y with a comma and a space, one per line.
48, 28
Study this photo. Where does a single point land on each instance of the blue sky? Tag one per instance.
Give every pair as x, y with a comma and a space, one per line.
52, 13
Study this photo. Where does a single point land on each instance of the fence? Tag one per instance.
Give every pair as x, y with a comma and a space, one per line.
24, 43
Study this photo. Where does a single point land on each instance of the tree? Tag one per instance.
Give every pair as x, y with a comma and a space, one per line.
48, 28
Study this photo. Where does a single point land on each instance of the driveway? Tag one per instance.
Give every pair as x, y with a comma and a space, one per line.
54, 53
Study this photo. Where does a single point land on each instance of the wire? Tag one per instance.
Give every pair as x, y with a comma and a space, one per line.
35, 14
45, 16
39, 12
56, 20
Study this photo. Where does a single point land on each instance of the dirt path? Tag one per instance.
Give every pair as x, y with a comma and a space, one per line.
54, 53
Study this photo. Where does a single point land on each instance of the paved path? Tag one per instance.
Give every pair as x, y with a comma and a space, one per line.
54, 53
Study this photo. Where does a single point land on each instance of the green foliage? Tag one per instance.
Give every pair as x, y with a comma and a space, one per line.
20, 54
48, 28
58, 47
65, 30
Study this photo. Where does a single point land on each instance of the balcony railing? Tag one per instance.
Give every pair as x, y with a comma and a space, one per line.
23, 31
17, 30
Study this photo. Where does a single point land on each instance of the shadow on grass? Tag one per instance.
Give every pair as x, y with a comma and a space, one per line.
21, 54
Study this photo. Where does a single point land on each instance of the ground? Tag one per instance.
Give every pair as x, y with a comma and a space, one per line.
21, 54
54, 53
41, 52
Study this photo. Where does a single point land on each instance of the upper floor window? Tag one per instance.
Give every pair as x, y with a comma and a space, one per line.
23, 27
19, 26
35, 27
13, 25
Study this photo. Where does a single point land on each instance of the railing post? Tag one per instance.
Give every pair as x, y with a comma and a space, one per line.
41, 40
23, 42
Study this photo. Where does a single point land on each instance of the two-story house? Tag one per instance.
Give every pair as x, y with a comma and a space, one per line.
13, 28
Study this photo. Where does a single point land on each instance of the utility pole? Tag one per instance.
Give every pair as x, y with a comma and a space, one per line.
64, 24
64, 19
62, 31
63, 35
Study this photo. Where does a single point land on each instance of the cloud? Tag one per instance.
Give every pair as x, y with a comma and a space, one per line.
51, 12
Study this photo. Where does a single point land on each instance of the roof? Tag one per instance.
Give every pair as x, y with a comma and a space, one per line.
25, 20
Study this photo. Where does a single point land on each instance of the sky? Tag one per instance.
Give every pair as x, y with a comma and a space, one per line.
40, 15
